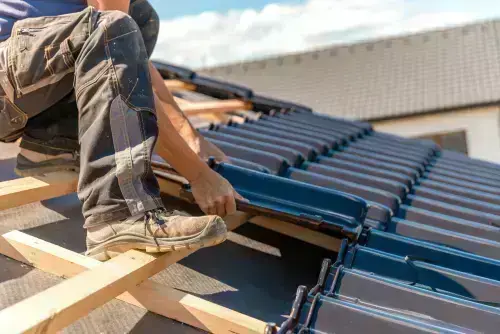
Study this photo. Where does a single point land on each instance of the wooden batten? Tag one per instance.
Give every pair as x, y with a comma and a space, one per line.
66, 302
181, 102
219, 106
175, 85
149, 295
27, 190
298, 232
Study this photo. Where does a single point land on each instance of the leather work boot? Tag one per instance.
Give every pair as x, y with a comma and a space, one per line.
31, 163
155, 232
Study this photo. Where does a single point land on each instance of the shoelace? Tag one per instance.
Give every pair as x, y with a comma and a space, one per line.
157, 216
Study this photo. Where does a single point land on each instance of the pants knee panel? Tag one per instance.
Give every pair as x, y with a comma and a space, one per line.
148, 21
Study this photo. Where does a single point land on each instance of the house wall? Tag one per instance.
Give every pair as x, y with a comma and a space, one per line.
481, 125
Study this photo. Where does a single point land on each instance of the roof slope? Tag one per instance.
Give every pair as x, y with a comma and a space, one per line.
386, 78
421, 224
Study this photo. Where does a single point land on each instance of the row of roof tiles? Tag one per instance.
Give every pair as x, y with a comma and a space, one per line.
422, 225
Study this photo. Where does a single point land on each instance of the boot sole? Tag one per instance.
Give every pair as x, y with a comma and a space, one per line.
117, 250
123, 244
37, 171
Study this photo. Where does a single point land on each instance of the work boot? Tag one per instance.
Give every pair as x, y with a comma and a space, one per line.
31, 163
155, 232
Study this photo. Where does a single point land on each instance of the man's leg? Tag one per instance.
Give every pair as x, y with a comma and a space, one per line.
117, 126
50, 140
148, 21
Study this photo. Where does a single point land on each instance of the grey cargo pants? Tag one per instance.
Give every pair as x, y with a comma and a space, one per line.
56, 131
102, 57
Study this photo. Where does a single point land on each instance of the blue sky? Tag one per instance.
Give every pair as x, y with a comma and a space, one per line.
201, 33
171, 9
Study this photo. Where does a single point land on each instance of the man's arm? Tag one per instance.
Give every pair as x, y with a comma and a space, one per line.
194, 139
211, 191
177, 117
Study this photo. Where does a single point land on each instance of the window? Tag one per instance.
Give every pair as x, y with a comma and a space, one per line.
453, 141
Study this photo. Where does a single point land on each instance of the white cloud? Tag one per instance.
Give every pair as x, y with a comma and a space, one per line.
214, 38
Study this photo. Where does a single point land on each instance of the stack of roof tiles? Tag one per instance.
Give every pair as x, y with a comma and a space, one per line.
421, 225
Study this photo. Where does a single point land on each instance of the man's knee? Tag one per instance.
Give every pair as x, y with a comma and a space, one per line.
117, 24
150, 32
122, 34
148, 21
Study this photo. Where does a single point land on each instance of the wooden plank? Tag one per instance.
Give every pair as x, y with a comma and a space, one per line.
298, 232
181, 102
26, 190
220, 106
148, 295
216, 118
60, 305
175, 85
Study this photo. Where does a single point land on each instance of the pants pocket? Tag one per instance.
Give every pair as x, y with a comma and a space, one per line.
43, 50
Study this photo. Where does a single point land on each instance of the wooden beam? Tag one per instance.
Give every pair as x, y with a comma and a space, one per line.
298, 232
216, 118
207, 107
60, 305
175, 85
181, 102
33, 189
220, 106
27, 190
149, 295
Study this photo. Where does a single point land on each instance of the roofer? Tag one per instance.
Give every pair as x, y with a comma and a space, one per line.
77, 85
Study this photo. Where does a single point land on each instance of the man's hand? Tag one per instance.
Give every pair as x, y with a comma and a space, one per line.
206, 149
214, 194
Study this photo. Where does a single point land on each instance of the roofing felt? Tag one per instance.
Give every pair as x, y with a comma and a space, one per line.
443, 69
422, 224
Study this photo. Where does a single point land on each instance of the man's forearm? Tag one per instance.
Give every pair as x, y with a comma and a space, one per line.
174, 149
179, 121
